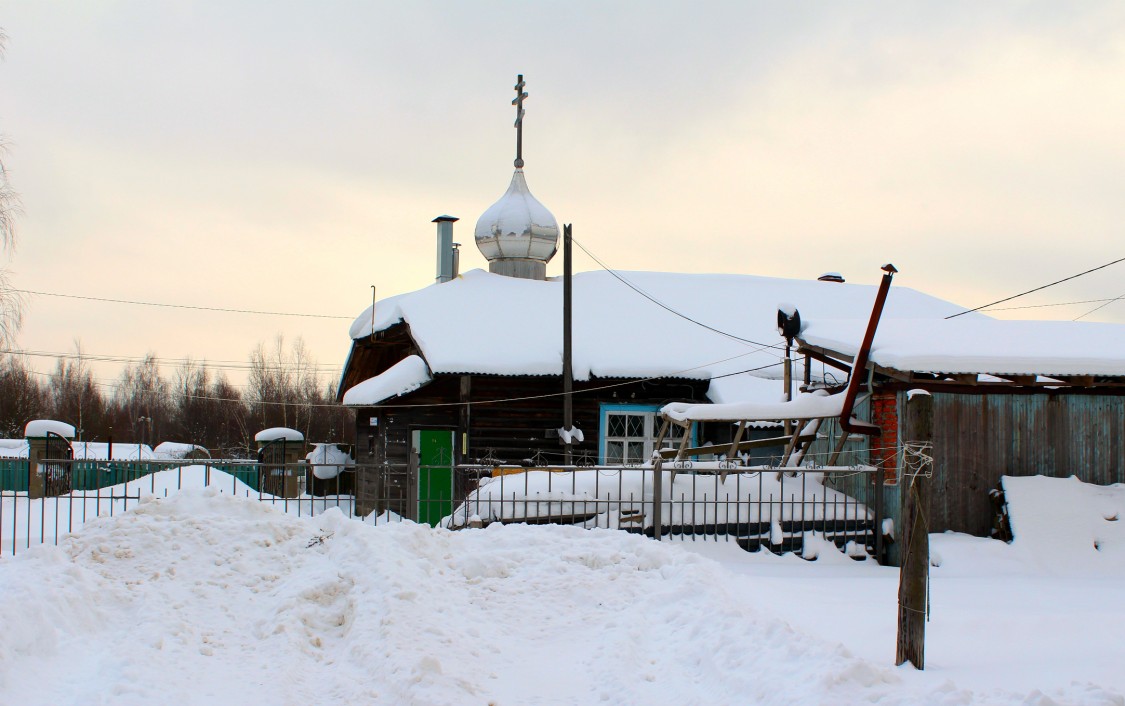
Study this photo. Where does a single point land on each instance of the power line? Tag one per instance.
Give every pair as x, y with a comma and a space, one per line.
180, 306
102, 382
224, 365
1052, 284
1101, 306
664, 306
749, 370
1043, 306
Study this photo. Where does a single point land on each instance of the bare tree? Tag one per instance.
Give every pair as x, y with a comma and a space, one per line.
286, 390
22, 396
234, 435
11, 303
75, 397
144, 400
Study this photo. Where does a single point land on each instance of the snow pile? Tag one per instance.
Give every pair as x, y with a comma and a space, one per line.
13, 448
1067, 525
177, 451
99, 451
212, 600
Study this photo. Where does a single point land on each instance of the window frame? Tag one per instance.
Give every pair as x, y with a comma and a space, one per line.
650, 428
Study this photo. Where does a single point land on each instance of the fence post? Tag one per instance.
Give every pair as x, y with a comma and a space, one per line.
914, 575
657, 493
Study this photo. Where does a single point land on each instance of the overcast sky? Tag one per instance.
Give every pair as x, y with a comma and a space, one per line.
286, 156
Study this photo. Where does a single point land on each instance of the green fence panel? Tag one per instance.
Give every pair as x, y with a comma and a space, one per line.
246, 474
94, 475
13, 474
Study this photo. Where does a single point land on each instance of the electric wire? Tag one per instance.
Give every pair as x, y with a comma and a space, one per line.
219, 364
1037, 289
1044, 306
1100, 306
548, 395
180, 306
664, 306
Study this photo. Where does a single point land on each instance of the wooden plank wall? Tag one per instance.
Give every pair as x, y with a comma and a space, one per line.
979, 438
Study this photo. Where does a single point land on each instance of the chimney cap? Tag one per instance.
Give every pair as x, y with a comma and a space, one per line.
445, 219
831, 277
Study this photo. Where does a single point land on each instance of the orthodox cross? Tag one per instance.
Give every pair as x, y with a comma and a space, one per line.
518, 102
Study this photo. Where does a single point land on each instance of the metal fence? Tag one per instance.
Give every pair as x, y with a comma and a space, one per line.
105, 489
755, 507
758, 508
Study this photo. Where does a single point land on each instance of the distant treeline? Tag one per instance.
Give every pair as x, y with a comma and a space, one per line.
195, 405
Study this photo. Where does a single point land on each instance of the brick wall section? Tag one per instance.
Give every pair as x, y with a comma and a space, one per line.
884, 413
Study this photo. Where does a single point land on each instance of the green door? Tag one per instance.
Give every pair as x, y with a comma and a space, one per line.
435, 474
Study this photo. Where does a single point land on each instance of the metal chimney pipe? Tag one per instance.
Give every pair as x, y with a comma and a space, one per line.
445, 266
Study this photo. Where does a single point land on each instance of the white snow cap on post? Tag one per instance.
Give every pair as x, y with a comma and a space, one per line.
328, 460
276, 433
571, 436
40, 427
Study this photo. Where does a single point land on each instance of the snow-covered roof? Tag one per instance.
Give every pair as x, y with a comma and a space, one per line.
405, 376
490, 324
980, 345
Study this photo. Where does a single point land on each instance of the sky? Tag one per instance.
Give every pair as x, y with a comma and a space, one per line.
287, 156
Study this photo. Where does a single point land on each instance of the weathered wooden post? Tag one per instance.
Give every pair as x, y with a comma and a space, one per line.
568, 364
914, 574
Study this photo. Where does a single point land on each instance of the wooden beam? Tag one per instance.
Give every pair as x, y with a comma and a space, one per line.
1076, 380
820, 355
732, 452
839, 361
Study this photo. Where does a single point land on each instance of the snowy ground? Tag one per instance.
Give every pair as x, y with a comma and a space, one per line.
205, 598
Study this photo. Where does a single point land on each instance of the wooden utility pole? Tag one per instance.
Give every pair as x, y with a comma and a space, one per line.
568, 367
914, 574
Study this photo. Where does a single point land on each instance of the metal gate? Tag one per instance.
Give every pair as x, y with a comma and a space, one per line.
56, 472
271, 475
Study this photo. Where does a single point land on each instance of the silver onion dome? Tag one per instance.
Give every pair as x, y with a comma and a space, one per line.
517, 227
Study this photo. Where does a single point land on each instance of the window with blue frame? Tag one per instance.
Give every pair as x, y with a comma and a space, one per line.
628, 433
